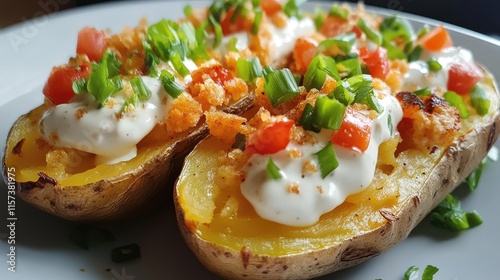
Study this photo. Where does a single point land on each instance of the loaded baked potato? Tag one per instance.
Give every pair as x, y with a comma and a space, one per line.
254, 208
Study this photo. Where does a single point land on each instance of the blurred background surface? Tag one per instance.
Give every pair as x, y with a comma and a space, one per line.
478, 15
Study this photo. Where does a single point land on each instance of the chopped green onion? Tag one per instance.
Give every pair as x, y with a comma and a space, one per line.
473, 179
199, 53
257, 21
272, 170
449, 215
319, 18
429, 272
373, 103
411, 273
179, 65
170, 85
80, 85
393, 52
371, 34
390, 125
140, 89
187, 33
479, 100
458, 102
126, 253
231, 46
360, 86
338, 12
434, 65
349, 67
327, 160
291, 8
151, 60
256, 3
414, 54
188, 10
318, 69
396, 27
217, 32
306, 119
342, 43
248, 69
423, 92
422, 31
201, 32
165, 40
343, 95
279, 85
104, 79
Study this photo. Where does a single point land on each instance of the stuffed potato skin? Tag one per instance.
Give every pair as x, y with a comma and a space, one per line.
115, 197
420, 191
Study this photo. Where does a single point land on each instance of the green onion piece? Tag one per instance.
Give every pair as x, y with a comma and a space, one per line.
218, 33
473, 179
306, 119
279, 85
392, 51
396, 27
360, 86
165, 40
201, 32
414, 54
342, 43
343, 95
256, 3
319, 18
338, 12
132, 100
434, 65
390, 125
479, 100
257, 21
349, 67
231, 46
170, 85
151, 60
327, 160
291, 8
318, 69
423, 92
373, 103
126, 253
248, 69
411, 273
449, 215
104, 79
187, 33
371, 34
140, 89
458, 102
328, 113
199, 53
298, 79
179, 66
429, 272
422, 31
237, 11
188, 10
272, 170
80, 85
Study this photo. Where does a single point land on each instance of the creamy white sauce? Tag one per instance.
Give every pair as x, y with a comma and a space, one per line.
100, 131
419, 76
273, 200
283, 39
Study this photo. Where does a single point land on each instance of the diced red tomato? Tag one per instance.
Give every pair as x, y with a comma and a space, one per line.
462, 77
436, 40
357, 31
303, 53
376, 61
216, 72
59, 86
91, 42
270, 7
229, 27
333, 26
270, 138
354, 132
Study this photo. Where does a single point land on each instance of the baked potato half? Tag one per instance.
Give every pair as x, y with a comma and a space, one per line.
98, 192
223, 230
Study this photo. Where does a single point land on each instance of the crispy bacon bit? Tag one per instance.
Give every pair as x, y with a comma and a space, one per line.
293, 188
427, 122
17, 150
388, 215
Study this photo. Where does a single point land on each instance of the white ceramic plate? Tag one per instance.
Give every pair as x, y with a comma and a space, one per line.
43, 249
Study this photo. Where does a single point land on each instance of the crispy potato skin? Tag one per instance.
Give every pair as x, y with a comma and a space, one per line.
123, 196
458, 160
